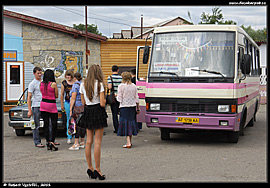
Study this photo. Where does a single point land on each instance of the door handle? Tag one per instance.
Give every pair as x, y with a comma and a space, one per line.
139, 88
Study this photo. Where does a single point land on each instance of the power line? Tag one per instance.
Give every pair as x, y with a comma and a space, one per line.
93, 17
106, 16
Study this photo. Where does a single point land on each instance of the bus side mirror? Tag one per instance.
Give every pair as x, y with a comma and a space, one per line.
245, 64
146, 54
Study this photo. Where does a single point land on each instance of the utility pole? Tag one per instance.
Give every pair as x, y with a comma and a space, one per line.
141, 26
86, 45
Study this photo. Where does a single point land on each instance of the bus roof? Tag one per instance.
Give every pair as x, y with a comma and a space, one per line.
203, 27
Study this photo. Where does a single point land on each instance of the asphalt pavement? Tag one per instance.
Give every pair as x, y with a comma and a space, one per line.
187, 157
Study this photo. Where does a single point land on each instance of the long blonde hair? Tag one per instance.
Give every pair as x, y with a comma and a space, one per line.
94, 73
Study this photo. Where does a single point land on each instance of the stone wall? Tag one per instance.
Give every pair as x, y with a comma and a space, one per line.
56, 50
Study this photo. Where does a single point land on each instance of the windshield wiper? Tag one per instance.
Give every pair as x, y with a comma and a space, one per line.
208, 71
171, 73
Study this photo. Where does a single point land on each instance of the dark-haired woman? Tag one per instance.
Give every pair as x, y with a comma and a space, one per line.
65, 94
48, 109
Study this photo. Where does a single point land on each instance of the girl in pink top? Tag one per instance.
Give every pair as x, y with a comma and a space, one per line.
48, 103
48, 109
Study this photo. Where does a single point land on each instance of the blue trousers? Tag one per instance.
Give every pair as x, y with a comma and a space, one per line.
67, 109
36, 114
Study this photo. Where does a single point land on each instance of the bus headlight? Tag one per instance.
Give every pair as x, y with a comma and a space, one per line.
223, 108
154, 106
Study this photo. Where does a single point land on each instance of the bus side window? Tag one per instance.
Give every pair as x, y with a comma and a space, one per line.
246, 47
240, 56
255, 68
251, 63
258, 62
142, 69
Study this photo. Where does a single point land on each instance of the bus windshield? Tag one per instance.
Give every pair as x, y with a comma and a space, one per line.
193, 54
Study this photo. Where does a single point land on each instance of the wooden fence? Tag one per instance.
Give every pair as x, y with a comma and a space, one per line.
120, 52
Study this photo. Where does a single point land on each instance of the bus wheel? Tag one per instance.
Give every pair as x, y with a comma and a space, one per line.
165, 134
232, 137
242, 124
251, 122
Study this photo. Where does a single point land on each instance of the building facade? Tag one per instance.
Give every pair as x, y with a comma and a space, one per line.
135, 32
30, 42
14, 76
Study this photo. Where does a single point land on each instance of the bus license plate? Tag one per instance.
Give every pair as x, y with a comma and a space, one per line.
187, 120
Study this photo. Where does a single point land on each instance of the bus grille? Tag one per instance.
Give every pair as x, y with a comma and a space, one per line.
199, 108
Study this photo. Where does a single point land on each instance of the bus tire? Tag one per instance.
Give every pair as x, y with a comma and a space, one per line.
165, 134
242, 123
232, 137
251, 122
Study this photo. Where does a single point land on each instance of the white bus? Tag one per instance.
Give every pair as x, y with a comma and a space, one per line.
200, 77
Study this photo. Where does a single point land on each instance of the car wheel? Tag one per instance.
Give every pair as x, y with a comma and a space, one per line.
19, 132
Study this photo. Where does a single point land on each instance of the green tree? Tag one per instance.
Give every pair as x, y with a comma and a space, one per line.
215, 18
229, 22
256, 35
90, 28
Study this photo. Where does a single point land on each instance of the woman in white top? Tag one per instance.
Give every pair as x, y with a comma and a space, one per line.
95, 116
129, 99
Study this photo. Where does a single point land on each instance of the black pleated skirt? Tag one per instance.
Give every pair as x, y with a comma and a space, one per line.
95, 117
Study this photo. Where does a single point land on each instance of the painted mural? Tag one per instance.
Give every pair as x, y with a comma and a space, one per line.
70, 60
60, 61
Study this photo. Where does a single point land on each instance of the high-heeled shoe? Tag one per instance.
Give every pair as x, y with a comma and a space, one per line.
91, 174
99, 176
48, 146
52, 147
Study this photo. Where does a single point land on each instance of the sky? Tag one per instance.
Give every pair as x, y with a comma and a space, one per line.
113, 19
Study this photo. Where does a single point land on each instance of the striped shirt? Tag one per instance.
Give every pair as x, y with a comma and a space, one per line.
117, 80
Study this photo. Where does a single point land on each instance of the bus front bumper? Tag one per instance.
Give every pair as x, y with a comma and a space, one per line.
226, 122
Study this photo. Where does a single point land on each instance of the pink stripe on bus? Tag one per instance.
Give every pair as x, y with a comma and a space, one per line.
191, 85
201, 85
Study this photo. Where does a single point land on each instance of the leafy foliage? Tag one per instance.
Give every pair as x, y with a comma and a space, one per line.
215, 18
90, 28
258, 35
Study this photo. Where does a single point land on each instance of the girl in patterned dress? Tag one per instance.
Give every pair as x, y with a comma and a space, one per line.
129, 101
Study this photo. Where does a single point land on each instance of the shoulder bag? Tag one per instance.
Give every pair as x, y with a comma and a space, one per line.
110, 99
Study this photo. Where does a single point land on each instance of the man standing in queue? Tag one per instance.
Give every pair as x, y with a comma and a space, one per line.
34, 108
